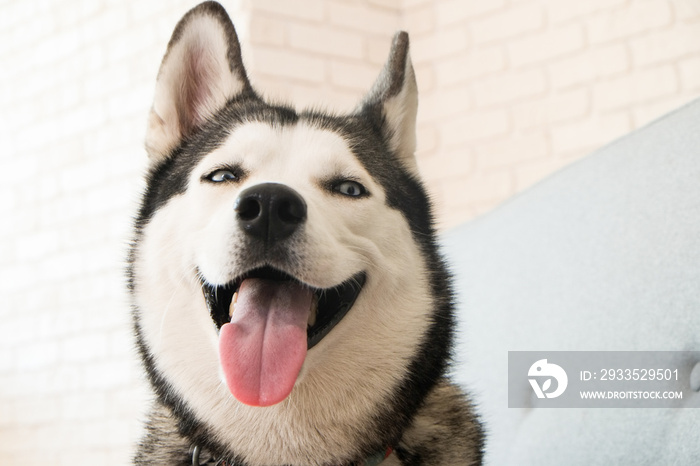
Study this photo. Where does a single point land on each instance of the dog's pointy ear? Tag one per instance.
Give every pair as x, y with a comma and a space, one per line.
393, 102
202, 69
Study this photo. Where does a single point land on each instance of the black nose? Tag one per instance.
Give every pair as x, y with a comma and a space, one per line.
270, 211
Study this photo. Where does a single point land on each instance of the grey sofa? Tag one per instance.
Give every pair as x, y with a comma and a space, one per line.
603, 255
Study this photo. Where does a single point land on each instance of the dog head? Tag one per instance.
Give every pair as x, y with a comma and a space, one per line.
288, 254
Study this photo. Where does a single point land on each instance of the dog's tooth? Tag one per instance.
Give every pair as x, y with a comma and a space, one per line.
314, 311
232, 307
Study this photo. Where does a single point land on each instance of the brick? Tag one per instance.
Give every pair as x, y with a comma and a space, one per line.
98, 142
363, 18
141, 11
465, 67
71, 293
122, 455
357, 76
513, 22
37, 245
689, 70
474, 127
38, 355
83, 348
22, 36
378, 50
86, 455
558, 11
301, 9
510, 87
81, 406
128, 103
128, 401
326, 41
639, 17
592, 64
455, 11
444, 103
288, 64
120, 46
408, 4
529, 174
425, 78
94, 434
427, 139
392, 4
18, 13
106, 23
443, 43
120, 344
452, 216
277, 89
58, 48
686, 11
447, 164
83, 176
512, 151
16, 331
555, 108
108, 374
336, 100
665, 46
646, 113
267, 31
419, 20
479, 188
547, 45
589, 134
635, 88
36, 410
106, 81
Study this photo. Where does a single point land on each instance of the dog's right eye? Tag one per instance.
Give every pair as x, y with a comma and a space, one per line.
222, 175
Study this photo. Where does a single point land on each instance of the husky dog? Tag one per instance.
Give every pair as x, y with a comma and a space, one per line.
290, 304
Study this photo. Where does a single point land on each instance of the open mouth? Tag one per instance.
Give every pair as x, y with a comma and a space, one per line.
327, 306
267, 321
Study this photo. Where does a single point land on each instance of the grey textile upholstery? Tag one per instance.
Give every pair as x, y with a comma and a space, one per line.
603, 255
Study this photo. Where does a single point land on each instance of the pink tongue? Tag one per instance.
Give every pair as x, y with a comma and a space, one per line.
263, 348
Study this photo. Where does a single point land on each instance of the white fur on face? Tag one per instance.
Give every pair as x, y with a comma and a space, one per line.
356, 366
302, 158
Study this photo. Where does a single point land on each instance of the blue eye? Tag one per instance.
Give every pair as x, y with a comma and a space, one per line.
219, 176
350, 188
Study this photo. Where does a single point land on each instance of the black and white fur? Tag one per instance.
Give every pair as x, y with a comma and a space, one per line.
378, 378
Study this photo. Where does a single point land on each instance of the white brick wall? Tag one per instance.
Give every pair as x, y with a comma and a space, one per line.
544, 82
510, 91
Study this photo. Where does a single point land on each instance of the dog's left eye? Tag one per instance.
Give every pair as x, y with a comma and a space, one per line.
350, 188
